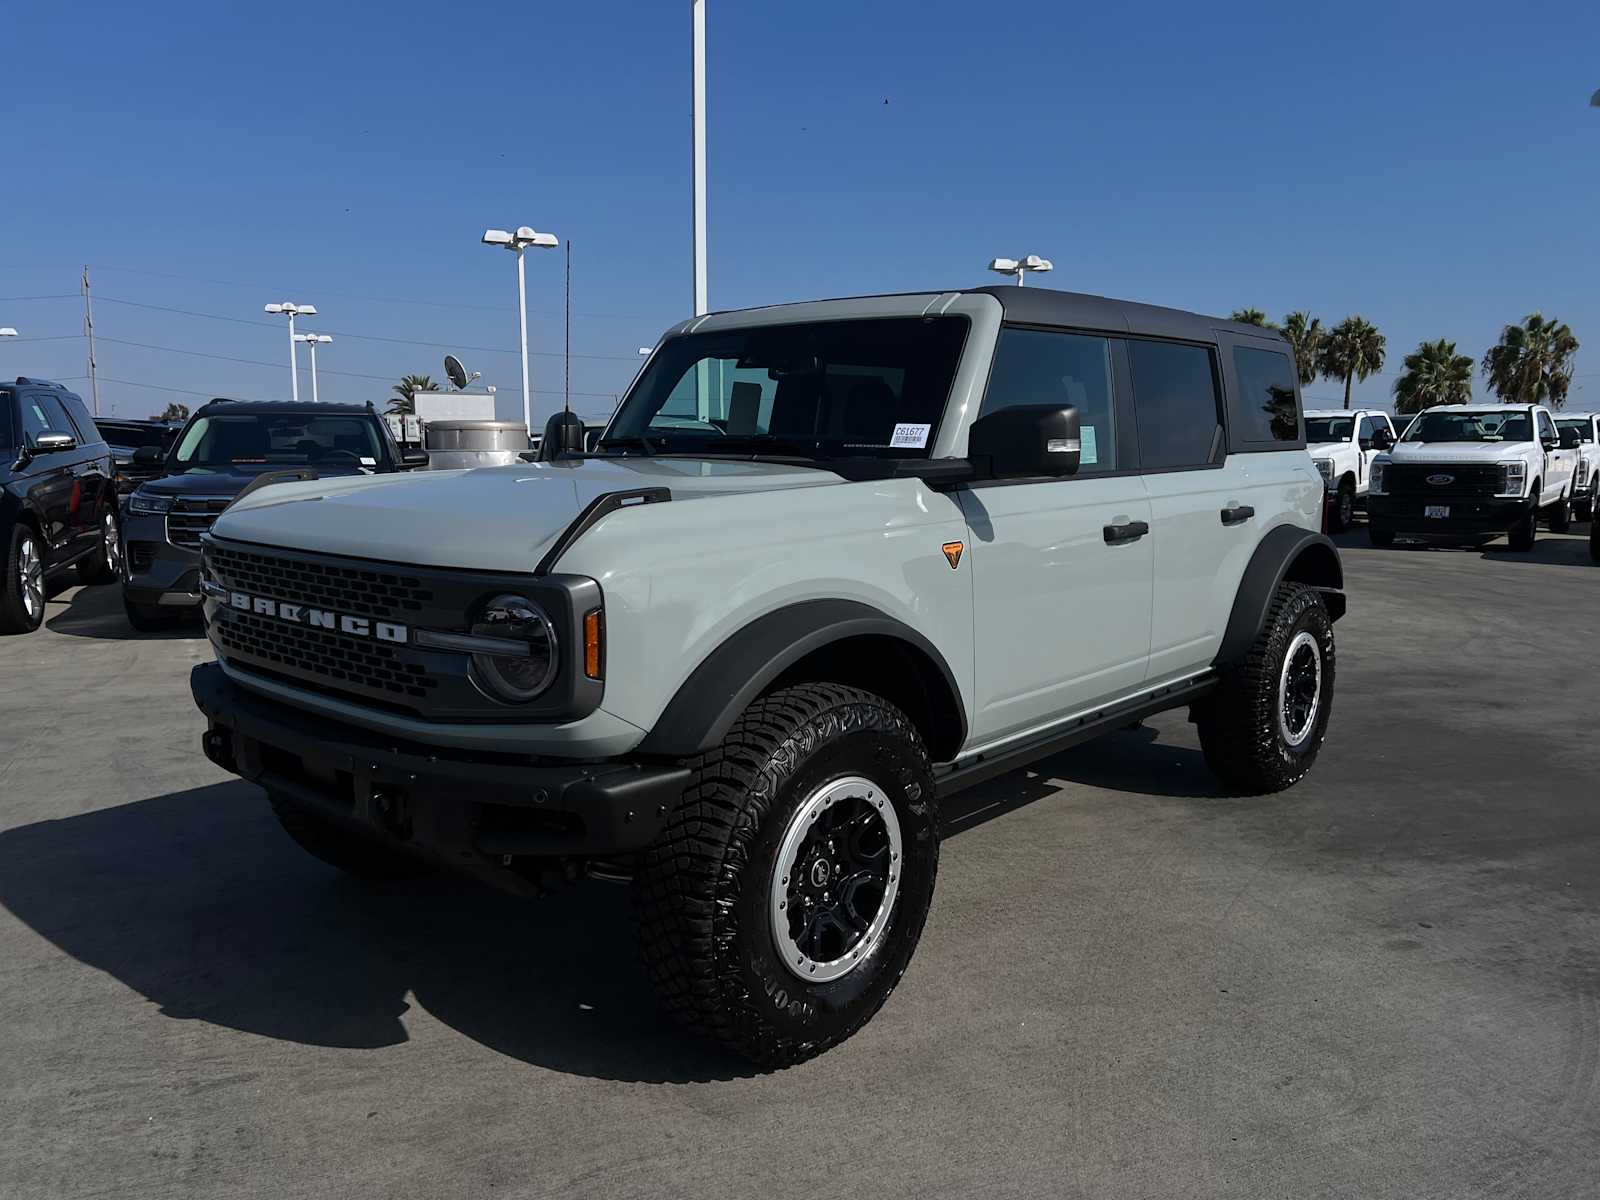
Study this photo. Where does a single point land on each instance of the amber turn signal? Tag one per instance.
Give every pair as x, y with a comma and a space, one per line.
593, 635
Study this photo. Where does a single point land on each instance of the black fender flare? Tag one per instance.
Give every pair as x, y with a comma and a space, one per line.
747, 663
1287, 552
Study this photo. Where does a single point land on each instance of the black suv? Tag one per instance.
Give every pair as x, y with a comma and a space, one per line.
227, 446
126, 437
58, 506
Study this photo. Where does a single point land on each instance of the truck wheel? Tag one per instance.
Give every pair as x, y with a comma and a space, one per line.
22, 591
1561, 514
346, 849
105, 565
784, 898
1263, 726
1378, 536
1343, 513
1525, 532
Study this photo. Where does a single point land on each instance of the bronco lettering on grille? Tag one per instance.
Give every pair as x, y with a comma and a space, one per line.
318, 618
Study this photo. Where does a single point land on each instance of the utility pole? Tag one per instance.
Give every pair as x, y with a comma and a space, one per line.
88, 331
569, 326
699, 105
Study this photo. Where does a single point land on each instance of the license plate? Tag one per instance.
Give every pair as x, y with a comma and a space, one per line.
1436, 510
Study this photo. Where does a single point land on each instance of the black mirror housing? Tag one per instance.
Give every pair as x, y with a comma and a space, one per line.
412, 459
149, 456
1382, 439
1571, 439
1025, 442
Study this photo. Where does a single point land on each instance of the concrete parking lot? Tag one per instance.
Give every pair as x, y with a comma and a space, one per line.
1385, 982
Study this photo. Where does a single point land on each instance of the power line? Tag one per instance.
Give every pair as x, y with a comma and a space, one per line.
56, 296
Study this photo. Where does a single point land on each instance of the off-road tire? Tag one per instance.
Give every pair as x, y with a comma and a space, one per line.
1594, 542
348, 850
1379, 537
14, 615
1525, 532
1342, 513
1239, 725
702, 890
147, 618
105, 565
1561, 513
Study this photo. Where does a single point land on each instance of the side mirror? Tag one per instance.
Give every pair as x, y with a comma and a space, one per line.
149, 456
1550, 443
1021, 443
54, 443
1382, 439
413, 459
1571, 439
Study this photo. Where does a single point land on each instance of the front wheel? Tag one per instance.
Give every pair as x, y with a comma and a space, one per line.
1263, 726
786, 894
22, 591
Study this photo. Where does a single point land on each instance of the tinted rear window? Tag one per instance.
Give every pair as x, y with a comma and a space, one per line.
1175, 402
1264, 411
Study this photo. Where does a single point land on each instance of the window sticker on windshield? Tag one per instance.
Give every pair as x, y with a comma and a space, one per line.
368, 462
908, 436
1088, 451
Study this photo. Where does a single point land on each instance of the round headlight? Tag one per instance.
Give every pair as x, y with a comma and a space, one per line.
529, 662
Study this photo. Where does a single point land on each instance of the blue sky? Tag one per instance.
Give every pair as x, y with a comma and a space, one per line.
1431, 166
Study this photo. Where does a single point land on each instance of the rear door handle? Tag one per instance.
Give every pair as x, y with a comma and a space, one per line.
1130, 531
1237, 514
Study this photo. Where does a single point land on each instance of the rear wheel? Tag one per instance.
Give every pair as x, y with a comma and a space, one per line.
1561, 514
1343, 513
350, 851
784, 898
1263, 726
106, 565
22, 591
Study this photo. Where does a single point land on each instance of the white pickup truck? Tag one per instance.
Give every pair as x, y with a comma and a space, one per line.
1343, 444
1467, 473
1587, 486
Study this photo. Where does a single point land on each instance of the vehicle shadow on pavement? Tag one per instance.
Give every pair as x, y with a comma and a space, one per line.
199, 902
96, 612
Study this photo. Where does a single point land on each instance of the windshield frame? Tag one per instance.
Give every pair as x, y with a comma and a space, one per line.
826, 342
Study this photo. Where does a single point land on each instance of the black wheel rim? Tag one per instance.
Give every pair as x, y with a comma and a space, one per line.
1300, 689
835, 880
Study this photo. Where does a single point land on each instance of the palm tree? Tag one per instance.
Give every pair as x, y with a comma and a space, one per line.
1532, 364
1306, 335
1434, 374
405, 392
1353, 350
1252, 316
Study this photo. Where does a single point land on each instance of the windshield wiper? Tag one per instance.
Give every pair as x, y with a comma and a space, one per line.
635, 439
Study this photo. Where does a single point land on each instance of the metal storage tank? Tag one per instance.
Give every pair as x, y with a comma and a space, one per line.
454, 445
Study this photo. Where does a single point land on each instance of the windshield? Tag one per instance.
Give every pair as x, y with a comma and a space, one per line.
1492, 426
834, 389
1329, 429
287, 439
1583, 425
135, 436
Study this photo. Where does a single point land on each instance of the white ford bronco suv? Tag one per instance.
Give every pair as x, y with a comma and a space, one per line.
1343, 444
1586, 485
1467, 473
830, 564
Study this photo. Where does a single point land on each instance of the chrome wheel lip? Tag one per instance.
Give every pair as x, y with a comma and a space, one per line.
850, 787
113, 544
30, 578
1304, 642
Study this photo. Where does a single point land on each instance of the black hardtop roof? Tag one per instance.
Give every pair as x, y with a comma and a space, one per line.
270, 407
1046, 306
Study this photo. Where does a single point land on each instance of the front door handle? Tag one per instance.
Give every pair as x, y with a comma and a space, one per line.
1237, 514
1128, 531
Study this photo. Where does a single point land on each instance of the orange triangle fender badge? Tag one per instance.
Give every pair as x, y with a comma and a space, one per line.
952, 553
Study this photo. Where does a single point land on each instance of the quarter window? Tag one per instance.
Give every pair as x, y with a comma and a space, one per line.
1035, 367
1265, 410
1175, 401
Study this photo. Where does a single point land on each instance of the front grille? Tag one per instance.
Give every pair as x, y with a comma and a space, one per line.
322, 652
192, 516
1472, 481
363, 591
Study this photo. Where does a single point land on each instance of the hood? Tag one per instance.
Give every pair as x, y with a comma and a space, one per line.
1457, 452
488, 519
224, 481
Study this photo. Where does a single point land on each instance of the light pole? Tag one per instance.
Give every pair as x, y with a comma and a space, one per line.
1020, 266
520, 241
312, 341
698, 104
292, 311
7, 331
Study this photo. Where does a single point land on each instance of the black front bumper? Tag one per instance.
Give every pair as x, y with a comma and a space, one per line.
158, 573
466, 808
1470, 519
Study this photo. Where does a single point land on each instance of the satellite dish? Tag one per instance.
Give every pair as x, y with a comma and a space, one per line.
456, 372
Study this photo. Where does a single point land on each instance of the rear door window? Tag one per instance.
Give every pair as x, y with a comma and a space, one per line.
1038, 367
1264, 410
1176, 404
41, 414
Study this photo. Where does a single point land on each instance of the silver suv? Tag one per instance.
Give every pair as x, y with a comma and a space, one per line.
830, 564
